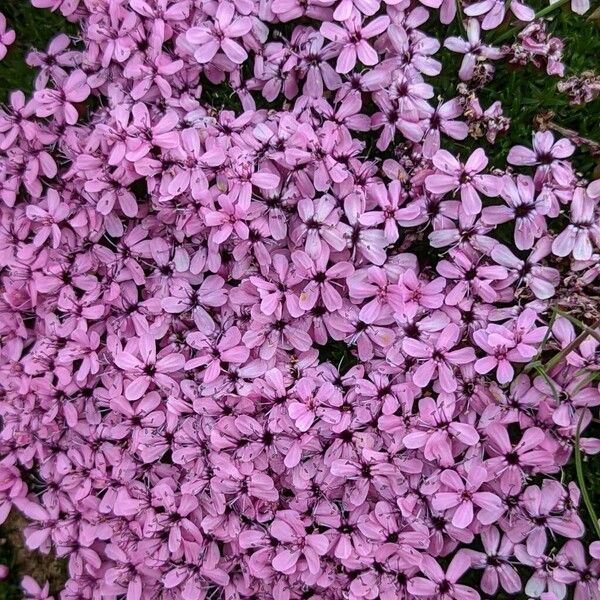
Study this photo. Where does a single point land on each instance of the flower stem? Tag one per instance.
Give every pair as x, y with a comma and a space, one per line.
461, 22
576, 342
577, 139
589, 330
538, 15
581, 481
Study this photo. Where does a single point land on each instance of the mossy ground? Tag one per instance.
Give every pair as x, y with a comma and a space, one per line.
524, 93
21, 562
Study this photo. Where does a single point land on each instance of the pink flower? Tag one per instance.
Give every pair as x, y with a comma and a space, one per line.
415, 52
439, 430
288, 10
444, 120
541, 280
135, 420
418, 294
148, 368
296, 544
220, 35
578, 570
439, 357
526, 211
542, 510
469, 278
502, 349
546, 152
185, 298
583, 233
472, 48
393, 215
7, 37
321, 280
453, 176
52, 63
463, 497
352, 40
224, 220
318, 226
392, 119
33, 591
496, 562
542, 577
346, 8
367, 471
61, 102
319, 73
277, 290
195, 575
345, 115
574, 402
373, 283
192, 160
16, 121
49, 219
438, 584
494, 11
214, 356
511, 461
244, 174
311, 397
362, 239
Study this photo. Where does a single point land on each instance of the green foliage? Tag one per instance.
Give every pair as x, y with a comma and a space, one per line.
34, 29
527, 92
21, 562
338, 354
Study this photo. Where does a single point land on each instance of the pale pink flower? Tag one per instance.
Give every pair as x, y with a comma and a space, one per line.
61, 102
221, 35
438, 584
583, 233
352, 40
495, 10
473, 49
463, 497
451, 176
49, 219
439, 358
547, 153
148, 368
523, 208
7, 37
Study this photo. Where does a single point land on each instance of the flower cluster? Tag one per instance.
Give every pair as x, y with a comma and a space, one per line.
242, 357
581, 89
533, 45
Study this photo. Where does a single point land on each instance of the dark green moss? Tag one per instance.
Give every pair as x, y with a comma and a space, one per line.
34, 29
21, 562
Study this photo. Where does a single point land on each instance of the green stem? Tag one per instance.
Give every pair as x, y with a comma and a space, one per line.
461, 22
589, 330
541, 371
584, 380
581, 481
542, 13
576, 342
546, 337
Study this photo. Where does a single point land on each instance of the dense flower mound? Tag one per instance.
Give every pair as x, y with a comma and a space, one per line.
288, 353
